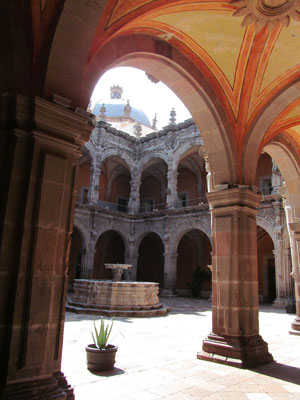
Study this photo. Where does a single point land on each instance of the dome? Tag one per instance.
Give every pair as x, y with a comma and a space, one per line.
116, 110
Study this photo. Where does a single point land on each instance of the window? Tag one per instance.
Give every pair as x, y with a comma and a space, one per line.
182, 200
149, 205
265, 185
85, 195
122, 204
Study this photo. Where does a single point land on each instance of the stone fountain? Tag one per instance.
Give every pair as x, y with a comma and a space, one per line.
116, 297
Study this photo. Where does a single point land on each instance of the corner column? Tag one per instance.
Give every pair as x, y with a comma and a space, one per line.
295, 242
235, 338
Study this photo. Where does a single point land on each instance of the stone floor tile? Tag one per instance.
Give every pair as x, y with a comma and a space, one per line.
234, 395
145, 395
153, 362
258, 396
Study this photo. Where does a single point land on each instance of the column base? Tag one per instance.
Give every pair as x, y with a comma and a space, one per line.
166, 293
56, 388
279, 302
295, 327
240, 352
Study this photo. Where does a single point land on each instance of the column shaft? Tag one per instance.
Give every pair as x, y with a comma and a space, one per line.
235, 338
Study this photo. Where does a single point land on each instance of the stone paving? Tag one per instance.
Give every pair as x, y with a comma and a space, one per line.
157, 359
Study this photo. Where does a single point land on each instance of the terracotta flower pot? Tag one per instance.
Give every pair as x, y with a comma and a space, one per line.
100, 359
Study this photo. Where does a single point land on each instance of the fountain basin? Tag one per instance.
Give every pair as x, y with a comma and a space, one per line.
111, 298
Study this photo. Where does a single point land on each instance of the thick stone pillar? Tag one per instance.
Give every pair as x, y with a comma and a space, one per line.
171, 191
295, 241
235, 338
94, 182
41, 142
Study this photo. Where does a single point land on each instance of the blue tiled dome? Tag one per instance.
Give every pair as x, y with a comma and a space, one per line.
117, 110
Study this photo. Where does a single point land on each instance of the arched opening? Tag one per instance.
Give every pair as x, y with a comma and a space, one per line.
193, 257
153, 185
114, 191
191, 179
75, 258
83, 180
109, 249
266, 267
150, 264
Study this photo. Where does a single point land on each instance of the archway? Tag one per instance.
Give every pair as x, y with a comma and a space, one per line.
193, 256
109, 248
150, 264
75, 258
153, 185
266, 267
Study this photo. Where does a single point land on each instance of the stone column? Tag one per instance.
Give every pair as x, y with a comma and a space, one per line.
170, 268
235, 338
282, 276
134, 199
172, 186
42, 142
87, 273
295, 249
131, 259
94, 182
276, 179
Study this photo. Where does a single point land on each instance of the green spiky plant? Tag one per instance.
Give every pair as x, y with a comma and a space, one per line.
101, 336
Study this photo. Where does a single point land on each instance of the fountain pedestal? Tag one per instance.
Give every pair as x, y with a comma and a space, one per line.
117, 270
112, 298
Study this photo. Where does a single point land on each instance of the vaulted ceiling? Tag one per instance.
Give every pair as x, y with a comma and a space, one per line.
248, 57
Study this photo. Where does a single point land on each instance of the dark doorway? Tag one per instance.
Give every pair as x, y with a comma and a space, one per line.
75, 258
194, 254
150, 266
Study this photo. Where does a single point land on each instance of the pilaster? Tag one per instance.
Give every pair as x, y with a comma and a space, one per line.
44, 141
235, 338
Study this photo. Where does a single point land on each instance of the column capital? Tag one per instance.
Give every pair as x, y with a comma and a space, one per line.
239, 196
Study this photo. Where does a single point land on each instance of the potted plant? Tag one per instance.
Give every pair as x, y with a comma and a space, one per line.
100, 355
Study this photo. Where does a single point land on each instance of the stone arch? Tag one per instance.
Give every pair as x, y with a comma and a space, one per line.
164, 61
83, 232
259, 128
260, 221
119, 231
141, 237
290, 170
115, 152
110, 247
151, 156
182, 151
185, 227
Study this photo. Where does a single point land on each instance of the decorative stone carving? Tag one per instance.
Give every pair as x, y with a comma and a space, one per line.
267, 12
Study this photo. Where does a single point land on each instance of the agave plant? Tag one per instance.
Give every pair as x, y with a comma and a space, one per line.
101, 336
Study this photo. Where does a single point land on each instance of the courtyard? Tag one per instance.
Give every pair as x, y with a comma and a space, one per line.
156, 358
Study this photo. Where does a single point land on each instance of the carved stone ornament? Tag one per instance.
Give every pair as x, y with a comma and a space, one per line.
267, 12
